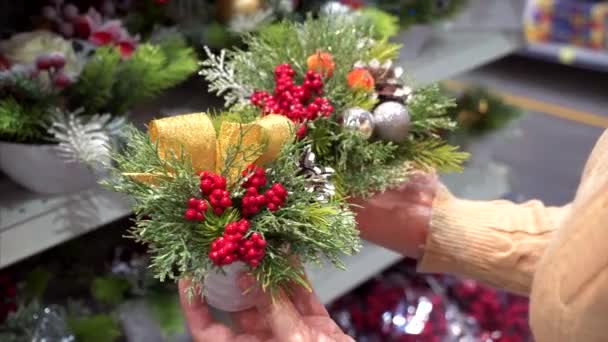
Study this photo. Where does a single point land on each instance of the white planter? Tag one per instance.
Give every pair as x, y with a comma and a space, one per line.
223, 293
37, 168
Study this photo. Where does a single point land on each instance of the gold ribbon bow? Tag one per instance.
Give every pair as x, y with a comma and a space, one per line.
195, 135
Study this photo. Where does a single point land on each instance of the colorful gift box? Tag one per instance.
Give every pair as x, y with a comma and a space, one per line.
580, 23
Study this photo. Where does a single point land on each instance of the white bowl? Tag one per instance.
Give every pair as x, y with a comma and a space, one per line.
37, 168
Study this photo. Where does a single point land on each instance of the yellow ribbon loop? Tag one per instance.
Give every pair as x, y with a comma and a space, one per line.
193, 134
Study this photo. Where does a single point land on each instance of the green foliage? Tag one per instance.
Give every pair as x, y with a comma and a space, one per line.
413, 12
480, 111
95, 328
21, 122
111, 84
428, 110
384, 50
180, 248
94, 87
18, 325
109, 290
36, 283
385, 25
167, 311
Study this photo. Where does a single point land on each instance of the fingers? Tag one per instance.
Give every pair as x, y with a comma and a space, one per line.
306, 301
279, 312
199, 320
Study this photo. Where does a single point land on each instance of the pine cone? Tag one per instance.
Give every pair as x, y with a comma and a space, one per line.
389, 85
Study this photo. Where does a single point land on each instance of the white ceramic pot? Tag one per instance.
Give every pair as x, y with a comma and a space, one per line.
223, 293
37, 168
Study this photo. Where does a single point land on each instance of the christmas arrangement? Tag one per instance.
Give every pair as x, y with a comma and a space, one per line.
315, 112
73, 77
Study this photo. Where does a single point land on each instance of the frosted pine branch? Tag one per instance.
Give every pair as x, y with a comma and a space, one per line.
85, 139
222, 79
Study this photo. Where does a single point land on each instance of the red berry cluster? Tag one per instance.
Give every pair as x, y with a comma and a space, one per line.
213, 186
53, 63
256, 177
233, 247
276, 197
291, 100
253, 200
196, 209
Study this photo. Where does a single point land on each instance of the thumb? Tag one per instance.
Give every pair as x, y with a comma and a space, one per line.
280, 313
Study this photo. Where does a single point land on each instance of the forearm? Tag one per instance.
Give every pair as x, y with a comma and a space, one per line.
496, 242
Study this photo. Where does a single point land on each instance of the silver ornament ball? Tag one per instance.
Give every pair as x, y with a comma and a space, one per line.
360, 120
392, 121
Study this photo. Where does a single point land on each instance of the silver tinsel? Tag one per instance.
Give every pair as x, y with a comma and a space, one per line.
392, 121
51, 326
360, 120
319, 177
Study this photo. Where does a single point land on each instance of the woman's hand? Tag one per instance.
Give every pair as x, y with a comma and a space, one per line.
399, 219
298, 317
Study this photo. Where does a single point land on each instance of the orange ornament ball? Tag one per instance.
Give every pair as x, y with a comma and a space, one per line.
321, 62
361, 79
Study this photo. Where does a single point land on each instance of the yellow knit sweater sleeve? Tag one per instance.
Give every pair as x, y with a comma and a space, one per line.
496, 242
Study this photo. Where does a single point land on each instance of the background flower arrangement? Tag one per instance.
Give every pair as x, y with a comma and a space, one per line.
73, 78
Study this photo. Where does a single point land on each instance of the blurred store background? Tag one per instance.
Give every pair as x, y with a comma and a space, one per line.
531, 87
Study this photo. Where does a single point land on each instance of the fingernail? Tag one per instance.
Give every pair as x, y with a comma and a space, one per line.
245, 281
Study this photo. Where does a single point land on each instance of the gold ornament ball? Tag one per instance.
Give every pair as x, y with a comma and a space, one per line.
227, 9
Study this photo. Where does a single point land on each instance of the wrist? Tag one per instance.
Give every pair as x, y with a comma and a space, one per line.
396, 219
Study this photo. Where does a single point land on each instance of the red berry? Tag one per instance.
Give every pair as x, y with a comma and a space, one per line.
43, 62
57, 60
190, 214
302, 131
226, 202
193, 202
61, 80
261, 243
256, 236
218, 211
200, 216
272, 207
270, 194
251, 254
202, 206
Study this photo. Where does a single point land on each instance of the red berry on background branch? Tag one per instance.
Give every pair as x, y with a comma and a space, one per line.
292, 100
43, 62
61, 80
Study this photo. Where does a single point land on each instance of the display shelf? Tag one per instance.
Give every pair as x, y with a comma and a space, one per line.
445, 54
596, 60
31, 223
